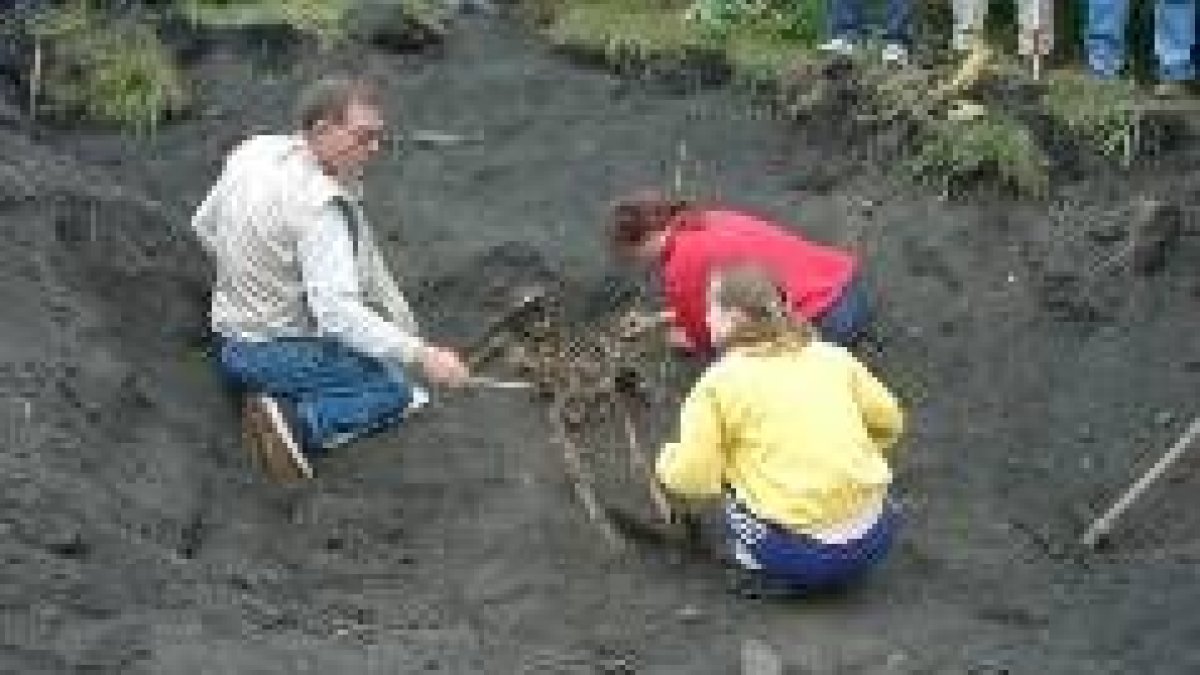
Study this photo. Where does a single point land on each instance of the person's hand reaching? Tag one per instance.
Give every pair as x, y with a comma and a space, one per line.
443, 366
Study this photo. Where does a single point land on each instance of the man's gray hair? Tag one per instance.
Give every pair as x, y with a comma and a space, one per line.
327, 99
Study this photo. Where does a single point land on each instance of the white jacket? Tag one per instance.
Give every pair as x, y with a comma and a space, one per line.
288, 260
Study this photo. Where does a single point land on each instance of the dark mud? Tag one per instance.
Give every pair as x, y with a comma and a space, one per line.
1046, 350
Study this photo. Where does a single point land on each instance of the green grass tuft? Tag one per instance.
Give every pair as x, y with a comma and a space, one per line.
331, 23
1101, 112
326, 20
109, 71
760, 56
623, 29
759, 48
797, 21
956, 154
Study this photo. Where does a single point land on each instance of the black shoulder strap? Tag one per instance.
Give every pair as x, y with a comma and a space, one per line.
351, 217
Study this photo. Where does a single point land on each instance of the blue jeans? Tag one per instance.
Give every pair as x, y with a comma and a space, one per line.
846, 319
846, 20
334, 393
1174, 37
799, 561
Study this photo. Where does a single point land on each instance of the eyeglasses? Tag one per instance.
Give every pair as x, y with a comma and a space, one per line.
367, 135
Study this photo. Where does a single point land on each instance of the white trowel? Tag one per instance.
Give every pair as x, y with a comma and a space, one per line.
483, 382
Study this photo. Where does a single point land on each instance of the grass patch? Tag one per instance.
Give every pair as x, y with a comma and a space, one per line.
957, 154
620, 30
768, 41
108, 70
1100, 112
801, 22
759, 48
760, 56
930, 144
329, 22
326, 20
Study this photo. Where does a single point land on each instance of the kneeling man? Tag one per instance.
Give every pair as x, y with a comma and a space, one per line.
310, 326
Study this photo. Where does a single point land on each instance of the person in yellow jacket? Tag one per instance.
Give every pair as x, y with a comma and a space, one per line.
792, 434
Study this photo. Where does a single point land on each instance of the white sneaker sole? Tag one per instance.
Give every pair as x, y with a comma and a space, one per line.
834, 51
272, 442
289, 441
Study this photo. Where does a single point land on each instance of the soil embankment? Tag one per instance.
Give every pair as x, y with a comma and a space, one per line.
1045, 359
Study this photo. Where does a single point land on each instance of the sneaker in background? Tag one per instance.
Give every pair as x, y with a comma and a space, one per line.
839, 46
894, 54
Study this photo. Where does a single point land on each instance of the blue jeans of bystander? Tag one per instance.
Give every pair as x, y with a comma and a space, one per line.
1174, 37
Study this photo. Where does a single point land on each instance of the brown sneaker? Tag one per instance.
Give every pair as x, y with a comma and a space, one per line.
271, 442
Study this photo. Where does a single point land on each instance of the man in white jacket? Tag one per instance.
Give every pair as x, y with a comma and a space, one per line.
310, 325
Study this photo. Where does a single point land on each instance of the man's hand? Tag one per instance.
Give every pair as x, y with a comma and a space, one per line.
443, 366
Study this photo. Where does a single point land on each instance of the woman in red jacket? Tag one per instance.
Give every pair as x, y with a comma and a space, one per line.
689, 243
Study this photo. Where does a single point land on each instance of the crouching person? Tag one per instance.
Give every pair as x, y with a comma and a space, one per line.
310, 326
790, 434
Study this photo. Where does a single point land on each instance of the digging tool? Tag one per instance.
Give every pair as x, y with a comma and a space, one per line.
433, 138
1104, 523
484, 382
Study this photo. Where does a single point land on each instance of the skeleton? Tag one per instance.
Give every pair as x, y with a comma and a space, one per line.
589, 374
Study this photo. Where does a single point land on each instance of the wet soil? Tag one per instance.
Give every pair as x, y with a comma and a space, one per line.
1046, 351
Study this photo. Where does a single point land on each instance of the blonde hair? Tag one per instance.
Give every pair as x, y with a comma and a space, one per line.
769, 323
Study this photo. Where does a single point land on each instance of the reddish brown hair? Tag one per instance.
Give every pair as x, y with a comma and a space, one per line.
641, 215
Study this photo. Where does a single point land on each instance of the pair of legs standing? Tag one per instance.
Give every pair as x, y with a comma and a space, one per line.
847, 24
1174, 38
1035, 25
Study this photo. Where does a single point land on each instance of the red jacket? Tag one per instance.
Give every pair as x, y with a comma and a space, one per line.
812, 276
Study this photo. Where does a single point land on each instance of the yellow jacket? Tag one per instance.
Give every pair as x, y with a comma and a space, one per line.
799, 436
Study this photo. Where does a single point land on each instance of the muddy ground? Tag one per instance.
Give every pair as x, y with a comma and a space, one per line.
1041, 366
